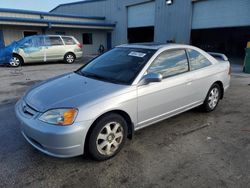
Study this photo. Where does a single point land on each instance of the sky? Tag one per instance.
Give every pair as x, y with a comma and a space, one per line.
37, 5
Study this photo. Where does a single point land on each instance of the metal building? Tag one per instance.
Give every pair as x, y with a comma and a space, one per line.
220, 25
16, 24
139, 20
215, 25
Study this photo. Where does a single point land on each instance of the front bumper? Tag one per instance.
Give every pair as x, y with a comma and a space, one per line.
57, 141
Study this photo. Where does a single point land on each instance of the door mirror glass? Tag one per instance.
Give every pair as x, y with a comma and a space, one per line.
151, 77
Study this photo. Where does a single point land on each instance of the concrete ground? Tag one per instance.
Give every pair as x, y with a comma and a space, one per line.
193, 149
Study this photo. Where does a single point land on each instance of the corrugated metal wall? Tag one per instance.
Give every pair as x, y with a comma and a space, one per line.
171, 22
96, 8
141, 15
221, 13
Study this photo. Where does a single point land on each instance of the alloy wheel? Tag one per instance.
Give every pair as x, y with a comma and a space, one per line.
213, 98
15, 62
70, 58
109, 138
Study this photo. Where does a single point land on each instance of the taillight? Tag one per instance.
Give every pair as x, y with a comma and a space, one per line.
80, 45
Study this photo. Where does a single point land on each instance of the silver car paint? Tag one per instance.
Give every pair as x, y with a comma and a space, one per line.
145, 104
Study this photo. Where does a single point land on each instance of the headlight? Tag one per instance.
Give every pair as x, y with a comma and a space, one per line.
62, 117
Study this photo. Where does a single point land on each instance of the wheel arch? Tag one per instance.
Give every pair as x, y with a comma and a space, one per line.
16, 54
69, 52
122, 113
221, 88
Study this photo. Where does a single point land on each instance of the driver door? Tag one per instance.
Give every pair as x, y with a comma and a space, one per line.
157, 101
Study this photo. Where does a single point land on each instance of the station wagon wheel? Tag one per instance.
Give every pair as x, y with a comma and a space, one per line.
69, 58
212, 99
107, 137
15, 61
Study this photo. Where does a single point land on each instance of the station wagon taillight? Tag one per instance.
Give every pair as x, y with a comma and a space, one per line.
80, 45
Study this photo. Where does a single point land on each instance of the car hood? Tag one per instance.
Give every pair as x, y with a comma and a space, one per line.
70, 90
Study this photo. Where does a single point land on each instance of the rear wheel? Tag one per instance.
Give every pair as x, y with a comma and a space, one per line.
212, 99
15, 61
107, 137
69, 58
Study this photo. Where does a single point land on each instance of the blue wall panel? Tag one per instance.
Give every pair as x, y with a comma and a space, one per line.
221, 13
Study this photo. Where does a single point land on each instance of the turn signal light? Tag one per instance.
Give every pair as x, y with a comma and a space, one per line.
68, 117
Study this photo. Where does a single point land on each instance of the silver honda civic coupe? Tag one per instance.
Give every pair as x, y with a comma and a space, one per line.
99, 106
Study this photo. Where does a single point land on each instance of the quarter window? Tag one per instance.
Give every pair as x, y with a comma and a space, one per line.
54, 41
170, 63
87, 38
69, 41
197, 60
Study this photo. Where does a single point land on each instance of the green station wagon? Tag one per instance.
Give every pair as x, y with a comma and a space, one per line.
45, 48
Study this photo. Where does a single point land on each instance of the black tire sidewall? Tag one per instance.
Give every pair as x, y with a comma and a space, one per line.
65, 58
206, 106
92, 148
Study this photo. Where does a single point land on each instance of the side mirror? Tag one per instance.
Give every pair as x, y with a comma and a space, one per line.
25, 45
151, 77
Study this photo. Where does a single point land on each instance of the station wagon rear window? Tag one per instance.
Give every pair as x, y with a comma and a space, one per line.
68, 41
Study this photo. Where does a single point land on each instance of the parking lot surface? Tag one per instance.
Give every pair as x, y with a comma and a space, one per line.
193, 149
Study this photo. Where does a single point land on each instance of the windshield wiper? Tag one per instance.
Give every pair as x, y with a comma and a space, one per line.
98, 77
91, 75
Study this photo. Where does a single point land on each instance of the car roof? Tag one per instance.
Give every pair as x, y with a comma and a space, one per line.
50, 36
154, 46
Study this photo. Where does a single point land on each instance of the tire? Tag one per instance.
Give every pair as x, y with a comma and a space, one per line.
69, 58
16, 61
107, 137
212, 99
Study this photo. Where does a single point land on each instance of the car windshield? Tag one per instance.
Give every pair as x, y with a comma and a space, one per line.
120, 65
20, 42
23, 40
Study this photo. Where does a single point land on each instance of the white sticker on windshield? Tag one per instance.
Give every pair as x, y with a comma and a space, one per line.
137, 54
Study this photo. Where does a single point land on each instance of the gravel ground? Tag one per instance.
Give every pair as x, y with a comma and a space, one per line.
193, 149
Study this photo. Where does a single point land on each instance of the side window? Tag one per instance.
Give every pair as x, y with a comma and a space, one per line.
170, 63
53, 41
68, 40
197, 60
87, 38
35, 42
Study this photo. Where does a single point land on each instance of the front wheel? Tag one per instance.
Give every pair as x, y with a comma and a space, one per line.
107, 137
69, 58
15, 61
212, 99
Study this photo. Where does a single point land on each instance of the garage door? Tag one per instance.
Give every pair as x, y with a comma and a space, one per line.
141, 15
221, 13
